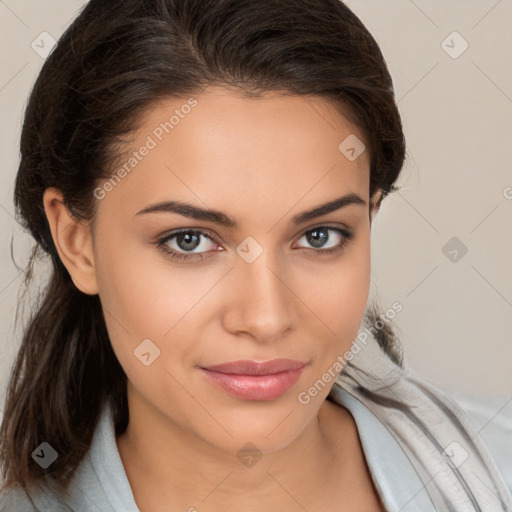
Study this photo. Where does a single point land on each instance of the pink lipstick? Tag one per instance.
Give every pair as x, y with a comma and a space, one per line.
252, 380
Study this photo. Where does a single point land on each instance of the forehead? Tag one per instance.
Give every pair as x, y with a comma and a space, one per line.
221, 146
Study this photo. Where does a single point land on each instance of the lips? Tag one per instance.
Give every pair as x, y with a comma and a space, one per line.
257, 368
254, 380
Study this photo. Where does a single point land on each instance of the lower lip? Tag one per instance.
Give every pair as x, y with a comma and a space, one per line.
254, 387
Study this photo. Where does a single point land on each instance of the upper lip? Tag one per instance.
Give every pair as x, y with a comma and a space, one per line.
247, 367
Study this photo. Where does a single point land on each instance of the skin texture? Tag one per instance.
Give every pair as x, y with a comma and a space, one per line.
261, 161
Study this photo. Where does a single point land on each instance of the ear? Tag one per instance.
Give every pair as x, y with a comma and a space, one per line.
73, 241
375, 202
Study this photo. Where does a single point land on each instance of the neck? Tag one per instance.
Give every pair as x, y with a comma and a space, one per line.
182, 469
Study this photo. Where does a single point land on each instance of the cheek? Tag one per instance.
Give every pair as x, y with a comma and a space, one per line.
145, 297
338, 293
131, 293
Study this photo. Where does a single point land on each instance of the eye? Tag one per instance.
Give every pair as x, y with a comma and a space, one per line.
185, 240
322, 238
187, 244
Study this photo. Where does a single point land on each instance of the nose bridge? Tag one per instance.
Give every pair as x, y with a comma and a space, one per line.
262, 299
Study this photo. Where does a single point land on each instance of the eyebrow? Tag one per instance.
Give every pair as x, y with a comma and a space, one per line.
218, 217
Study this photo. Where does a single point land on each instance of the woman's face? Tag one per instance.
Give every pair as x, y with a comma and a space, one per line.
274, 285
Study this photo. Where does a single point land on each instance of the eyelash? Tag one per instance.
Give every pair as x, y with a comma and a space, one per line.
162, 242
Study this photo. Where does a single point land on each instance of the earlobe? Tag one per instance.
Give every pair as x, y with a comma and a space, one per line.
73, 241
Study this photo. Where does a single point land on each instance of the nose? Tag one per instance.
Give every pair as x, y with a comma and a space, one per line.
262, 304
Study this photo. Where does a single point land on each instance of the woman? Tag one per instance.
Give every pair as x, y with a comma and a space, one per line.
204, 176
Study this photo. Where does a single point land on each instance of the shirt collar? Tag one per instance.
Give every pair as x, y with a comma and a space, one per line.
397, 482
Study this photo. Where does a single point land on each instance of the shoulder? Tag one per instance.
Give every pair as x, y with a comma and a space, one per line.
492, 418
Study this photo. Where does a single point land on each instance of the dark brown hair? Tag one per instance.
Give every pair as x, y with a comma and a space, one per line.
113, 61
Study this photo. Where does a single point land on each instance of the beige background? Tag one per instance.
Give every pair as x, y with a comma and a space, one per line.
456, 322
